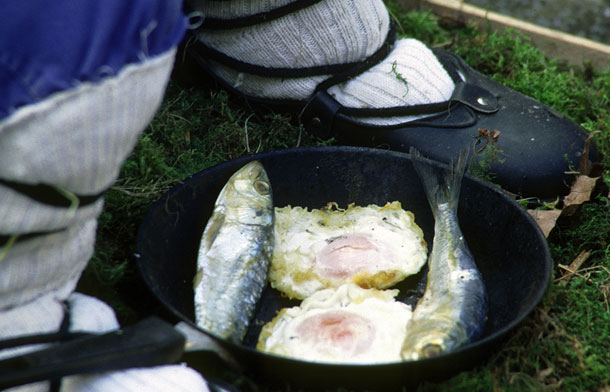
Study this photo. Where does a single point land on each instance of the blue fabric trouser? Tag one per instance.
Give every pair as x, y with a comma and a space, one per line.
46, 47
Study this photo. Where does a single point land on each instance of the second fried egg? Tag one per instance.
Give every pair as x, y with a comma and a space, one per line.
371, 246
344, 325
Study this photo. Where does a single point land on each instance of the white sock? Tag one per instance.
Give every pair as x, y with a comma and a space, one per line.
410, 75
328, 32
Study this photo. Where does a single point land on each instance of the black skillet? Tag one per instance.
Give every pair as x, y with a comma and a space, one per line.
509, 249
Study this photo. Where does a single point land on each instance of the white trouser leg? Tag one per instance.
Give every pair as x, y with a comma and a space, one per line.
74, 141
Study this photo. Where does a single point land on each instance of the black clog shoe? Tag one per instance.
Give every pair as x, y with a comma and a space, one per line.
539, 146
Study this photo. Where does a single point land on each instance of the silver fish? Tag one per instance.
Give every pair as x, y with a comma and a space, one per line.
453, 308
235, 254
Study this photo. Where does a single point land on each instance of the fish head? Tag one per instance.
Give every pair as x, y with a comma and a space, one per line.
427, 350
427, 347
433, 337
249, 189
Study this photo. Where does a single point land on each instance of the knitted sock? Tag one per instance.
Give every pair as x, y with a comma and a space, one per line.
327, 32
409, 75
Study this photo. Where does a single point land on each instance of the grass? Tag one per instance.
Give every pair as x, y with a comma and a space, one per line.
564, 345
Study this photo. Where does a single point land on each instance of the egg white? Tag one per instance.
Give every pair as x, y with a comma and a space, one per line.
348, 324
372, 246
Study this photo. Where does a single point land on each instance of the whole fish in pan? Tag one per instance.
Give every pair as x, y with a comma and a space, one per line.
453, 309
235, 253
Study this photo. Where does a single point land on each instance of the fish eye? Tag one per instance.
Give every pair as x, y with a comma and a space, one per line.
261, 187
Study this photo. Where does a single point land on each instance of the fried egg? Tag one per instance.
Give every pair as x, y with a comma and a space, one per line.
372, 246
348, 324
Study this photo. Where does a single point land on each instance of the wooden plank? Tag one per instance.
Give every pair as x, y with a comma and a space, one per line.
575, 50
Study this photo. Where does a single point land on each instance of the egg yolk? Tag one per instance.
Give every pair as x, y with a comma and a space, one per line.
348, 254
342, 331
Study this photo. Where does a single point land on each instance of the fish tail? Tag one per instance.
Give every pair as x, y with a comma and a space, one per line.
441, 190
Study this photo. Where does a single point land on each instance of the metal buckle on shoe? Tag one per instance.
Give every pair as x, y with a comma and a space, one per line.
319, 114
475, 97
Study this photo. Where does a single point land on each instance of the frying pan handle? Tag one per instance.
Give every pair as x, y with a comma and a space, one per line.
150, 342
198, 341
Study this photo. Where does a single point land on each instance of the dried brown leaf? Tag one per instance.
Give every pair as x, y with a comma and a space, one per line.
580, 192
545, 219
584, 165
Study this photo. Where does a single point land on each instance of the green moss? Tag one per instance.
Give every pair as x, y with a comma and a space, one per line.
421, 25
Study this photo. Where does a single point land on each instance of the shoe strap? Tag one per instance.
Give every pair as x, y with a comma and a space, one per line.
340, 70
322, 109
470, 95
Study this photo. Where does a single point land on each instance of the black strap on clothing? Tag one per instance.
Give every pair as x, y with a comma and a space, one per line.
61, 335
251, 20
49, 195
351, 69
5, 238
410, 110
360, 67
52, 337
64, 334
470, 95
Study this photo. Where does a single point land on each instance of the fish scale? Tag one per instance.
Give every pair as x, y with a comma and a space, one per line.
453, 308
235, 253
